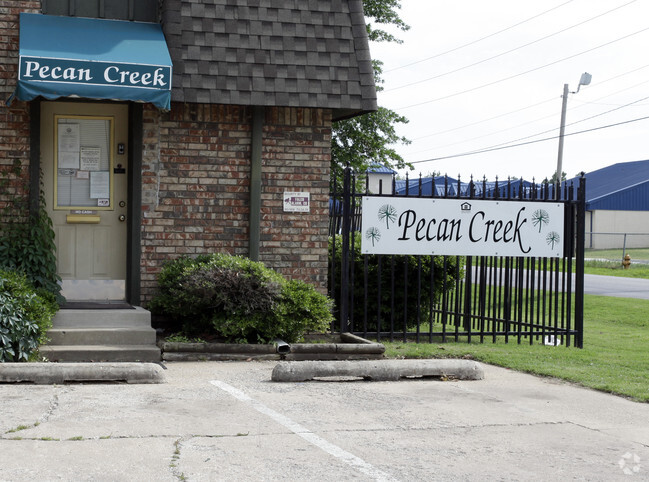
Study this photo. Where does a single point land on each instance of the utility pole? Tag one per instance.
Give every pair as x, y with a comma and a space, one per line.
584, 80
564, 105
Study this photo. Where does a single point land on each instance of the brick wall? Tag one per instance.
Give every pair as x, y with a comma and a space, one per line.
196, 179
196, 175
296, 157
14, 121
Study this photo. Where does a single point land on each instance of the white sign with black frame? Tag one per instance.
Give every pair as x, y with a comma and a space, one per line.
465, 227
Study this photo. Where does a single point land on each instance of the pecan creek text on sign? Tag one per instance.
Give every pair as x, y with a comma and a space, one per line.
480, 229
462, 227
96, 73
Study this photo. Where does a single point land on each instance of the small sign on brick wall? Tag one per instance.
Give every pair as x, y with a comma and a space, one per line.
297, 202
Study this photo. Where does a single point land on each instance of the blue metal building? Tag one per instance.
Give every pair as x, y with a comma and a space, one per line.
617, 206
620, 187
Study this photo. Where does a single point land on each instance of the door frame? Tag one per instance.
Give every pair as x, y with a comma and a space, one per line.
134, 187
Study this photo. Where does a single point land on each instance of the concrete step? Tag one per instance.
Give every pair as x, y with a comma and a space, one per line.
113, 335
109, 318
102, 336
103, 353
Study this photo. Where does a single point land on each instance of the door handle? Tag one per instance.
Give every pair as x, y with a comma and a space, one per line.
122, 218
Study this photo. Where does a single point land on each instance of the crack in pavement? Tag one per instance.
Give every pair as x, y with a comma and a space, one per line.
54, 402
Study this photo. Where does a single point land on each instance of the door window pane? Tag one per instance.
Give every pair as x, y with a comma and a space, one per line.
83, 162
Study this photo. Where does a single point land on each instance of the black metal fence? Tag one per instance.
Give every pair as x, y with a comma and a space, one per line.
468, 298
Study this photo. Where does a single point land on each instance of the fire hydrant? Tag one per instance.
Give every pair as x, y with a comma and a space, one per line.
627, 262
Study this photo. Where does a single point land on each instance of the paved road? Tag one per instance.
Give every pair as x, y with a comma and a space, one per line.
615, 286
604, 285
228, 421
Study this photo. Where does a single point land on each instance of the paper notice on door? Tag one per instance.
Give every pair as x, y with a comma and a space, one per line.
99, 184
68, 146
90, 158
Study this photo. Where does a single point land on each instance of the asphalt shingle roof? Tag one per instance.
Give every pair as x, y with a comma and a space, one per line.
297, 53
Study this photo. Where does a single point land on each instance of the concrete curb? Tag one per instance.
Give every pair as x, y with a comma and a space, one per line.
346, 347
379, 370
56, 373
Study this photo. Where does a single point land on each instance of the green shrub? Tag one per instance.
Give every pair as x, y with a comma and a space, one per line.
27, 243
302, 310
406, 287
181, 338
25, 316
238, 299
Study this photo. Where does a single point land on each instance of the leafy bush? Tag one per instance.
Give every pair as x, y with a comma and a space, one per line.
181, 338
25, 316
410, 290
27, 245
238, 299
302, 309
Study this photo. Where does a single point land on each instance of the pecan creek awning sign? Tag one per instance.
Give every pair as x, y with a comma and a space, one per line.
93, 59
467, 227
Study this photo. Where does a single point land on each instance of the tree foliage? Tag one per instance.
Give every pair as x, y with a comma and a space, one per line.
383, 12
365, 140
371, 138
553, 179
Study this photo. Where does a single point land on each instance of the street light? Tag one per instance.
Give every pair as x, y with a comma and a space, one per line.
584, 80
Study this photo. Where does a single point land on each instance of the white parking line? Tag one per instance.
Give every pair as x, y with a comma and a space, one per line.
306, 434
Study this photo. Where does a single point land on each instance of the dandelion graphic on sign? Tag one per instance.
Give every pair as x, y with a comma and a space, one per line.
388, 213
540, 217
552, 238
373, 234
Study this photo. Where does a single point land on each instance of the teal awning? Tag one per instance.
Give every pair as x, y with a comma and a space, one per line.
93, 59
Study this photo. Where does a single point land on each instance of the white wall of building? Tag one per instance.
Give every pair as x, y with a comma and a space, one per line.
606, 229
375, 180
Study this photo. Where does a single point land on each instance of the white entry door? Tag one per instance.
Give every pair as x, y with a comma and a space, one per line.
84, 165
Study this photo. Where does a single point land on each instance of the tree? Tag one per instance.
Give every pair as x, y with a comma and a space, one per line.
383, 12
370, 138
553, 179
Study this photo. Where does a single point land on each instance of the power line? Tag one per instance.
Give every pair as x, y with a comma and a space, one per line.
508, 51
595, 102
617, 107
573, 123
480, 39
599, 83
485, 120
522, 73
482, 151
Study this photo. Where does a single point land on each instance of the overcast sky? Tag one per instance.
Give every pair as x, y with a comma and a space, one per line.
473, 75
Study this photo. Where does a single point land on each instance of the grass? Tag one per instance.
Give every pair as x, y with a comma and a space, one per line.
601, 265
19, 428
614, 359
616, 254
608, 262
614, 268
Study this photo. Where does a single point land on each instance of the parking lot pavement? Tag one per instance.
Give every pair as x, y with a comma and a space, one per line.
228, 421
